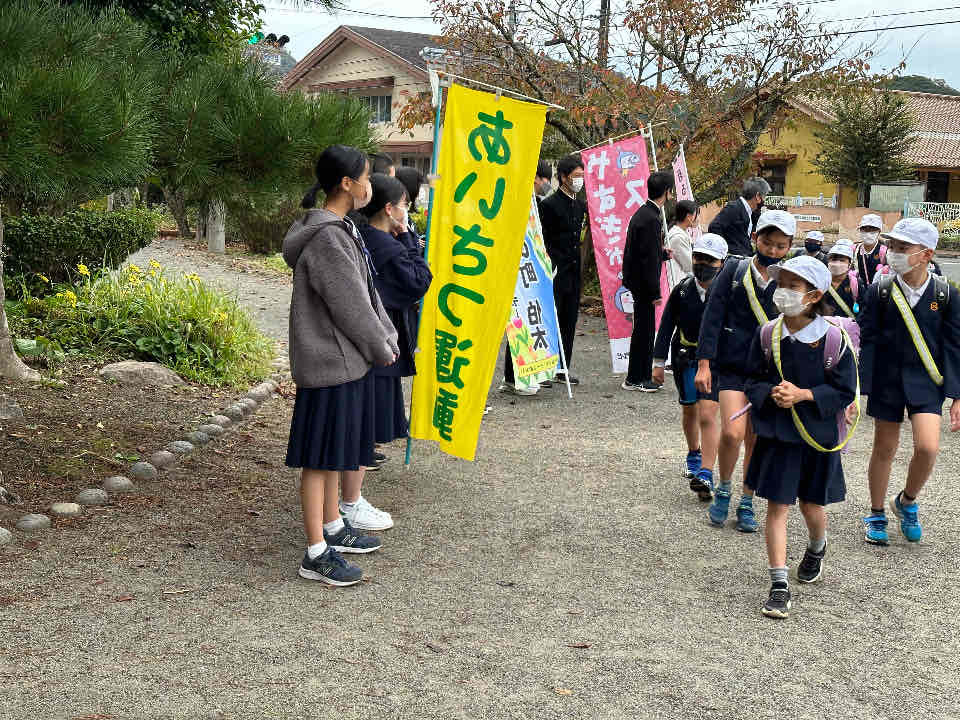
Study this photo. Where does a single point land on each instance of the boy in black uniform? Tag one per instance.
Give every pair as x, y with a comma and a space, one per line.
683, 312
909, 360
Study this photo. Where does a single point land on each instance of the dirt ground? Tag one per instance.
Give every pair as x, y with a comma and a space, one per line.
568, 573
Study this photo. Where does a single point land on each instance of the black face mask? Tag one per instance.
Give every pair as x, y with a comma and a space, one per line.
704, 273
766, 260
812, 247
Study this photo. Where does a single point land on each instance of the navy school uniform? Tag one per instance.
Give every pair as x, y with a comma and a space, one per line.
679, 330
783, 467
845, 291
866, 264
729, 325
891, 372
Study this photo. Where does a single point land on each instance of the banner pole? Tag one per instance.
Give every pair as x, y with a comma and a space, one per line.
426, 248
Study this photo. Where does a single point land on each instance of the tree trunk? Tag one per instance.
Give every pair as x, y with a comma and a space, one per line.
178, 208
216, 227
11, 366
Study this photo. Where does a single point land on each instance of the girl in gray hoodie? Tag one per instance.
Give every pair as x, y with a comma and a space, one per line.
339, 331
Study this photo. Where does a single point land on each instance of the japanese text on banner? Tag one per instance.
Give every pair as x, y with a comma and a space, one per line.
532, 333
616, 186
487, 161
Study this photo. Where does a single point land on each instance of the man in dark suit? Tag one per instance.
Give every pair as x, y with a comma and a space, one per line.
643, 258
736, 222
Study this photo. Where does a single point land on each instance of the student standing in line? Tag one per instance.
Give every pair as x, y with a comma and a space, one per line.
844, 291
871, 254
801, 375
740, 301
412, 180
679, 326
562, 214
402, 278
679, 241
812, 247
339, 330
910, 361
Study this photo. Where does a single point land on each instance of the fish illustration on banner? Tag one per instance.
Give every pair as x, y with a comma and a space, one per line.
616, 185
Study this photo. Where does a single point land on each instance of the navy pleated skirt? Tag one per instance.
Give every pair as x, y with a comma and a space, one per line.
333, 427
783, 472
391, 414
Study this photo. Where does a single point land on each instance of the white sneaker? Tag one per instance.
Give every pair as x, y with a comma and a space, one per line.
364, 516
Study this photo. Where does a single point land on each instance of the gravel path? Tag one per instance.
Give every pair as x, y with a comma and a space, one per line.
568, 573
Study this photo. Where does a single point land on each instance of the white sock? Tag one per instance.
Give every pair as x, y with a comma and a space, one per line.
333, 527
316, 550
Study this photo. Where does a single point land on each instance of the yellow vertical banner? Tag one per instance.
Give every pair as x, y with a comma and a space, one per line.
487, 161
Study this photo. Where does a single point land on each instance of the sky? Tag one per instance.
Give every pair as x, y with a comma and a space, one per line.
932, 51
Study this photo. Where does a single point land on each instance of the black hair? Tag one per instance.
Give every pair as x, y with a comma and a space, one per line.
658, 184
568, 164
381, 163
412, 179
545, 170
334, 164
704, 256
684, 209
386, 189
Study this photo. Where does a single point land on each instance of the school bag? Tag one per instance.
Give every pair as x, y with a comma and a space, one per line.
841, 332
890, 292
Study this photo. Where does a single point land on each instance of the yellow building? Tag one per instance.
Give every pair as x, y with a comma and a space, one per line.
785, 152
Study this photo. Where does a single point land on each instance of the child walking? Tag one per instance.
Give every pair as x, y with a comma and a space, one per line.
871, 254
910, 361
679, 326
802, 374
740, 301
844, 291
339, 330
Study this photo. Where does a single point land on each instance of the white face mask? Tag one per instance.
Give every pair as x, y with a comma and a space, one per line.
869, 238
900, 262
838, 267
576, 184
400, 217
790, 302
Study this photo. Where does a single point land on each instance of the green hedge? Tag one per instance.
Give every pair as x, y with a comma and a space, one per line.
53, 246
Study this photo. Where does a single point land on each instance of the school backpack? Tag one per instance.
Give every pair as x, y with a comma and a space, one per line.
882, 268
941, 288
854, 285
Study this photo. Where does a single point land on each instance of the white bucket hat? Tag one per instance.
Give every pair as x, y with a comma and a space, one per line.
711, 244
809, 268
916, 231
780, 219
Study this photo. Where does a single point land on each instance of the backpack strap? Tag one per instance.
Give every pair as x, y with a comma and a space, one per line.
854, 285
766, 338
942, 289
883, 254
884, 286
745, 275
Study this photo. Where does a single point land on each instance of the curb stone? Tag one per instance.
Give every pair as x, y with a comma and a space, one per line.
163, 459
221, 420
180, 447
33, 522
118, 484
5, 536
249, 405
235, 412
66, 509
211, 430
92, 496
143, 471
198, 438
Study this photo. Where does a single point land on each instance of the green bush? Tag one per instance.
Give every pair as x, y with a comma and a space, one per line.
53, 246
261, 227
193, 329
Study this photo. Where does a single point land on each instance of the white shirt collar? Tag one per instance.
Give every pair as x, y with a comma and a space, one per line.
701, 291
757, 277
809, 334
913, 295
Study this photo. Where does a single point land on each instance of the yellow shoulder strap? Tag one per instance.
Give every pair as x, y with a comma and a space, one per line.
840, 303
797, 422
918, 342
751, 291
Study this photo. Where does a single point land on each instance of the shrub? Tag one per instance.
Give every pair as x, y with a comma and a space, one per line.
261, 228
54, 246
191, 328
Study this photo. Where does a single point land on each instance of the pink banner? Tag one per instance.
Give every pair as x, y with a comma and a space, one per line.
616, 186
681, 177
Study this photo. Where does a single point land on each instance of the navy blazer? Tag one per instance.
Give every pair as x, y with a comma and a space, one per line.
728, 322
562, 220
683, 312
890, 367
402, 278
803, 366
845, 291
866, 264
733, 224
643, 253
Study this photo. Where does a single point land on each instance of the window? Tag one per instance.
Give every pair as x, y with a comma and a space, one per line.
380, 107
776, 175
938, 186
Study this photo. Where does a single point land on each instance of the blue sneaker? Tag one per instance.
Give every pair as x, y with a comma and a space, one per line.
720, 506
876, 529
909, 520
694, 463
330, 568
702, 484
349, 540
746, 521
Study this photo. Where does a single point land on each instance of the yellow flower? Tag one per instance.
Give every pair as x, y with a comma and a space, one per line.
155, 265
69, 296
134, 279
193, 277
220, 317
83, 270
152, 273
43, 277
135, 269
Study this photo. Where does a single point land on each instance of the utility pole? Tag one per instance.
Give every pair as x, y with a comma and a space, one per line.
603, 48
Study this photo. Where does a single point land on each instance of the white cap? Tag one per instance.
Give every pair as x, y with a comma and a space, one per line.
807, 267
871, 220
841, 247
916, 231
780, 219
815, 235
711, 244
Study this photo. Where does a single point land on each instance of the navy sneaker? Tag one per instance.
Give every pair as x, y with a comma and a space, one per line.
778, 603
331, 568
720, 506
561, 377
909, 519
811, 567
702, 484
349, 540
693, 464
746, 520
876, 529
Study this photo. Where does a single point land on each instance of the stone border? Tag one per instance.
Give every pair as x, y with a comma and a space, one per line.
148, 470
